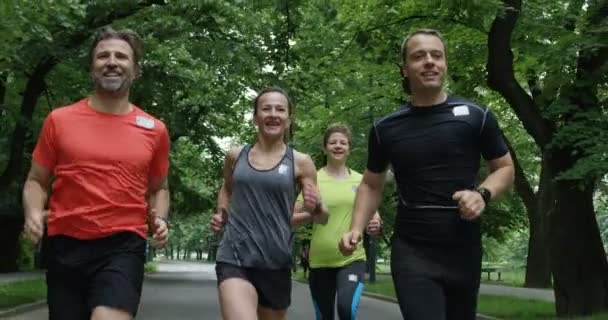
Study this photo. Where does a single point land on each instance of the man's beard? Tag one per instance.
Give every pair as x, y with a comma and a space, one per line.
112, 86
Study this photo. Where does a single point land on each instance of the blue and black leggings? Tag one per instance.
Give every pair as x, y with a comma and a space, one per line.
346, 281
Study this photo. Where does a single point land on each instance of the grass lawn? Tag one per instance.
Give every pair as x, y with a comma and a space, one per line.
21, 292
509, 277
150, 267
495, 306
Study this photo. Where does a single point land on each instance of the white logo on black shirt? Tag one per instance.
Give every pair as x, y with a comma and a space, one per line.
460, 111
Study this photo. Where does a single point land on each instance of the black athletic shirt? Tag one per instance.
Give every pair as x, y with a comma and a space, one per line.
435, 151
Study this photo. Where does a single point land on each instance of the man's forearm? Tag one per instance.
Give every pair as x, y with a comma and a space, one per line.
159, 203
34, 197
367, 202
499, 181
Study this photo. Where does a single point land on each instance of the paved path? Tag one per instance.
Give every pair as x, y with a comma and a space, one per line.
187, 290
523, 293
18, 276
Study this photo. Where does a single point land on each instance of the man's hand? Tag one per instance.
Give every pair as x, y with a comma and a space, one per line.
218, 220
349, 242
470, 202
34, 225
375, 225
160, 232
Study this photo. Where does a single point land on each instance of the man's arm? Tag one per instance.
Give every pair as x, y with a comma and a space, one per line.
367, 200
158, 204
159, 197
34, 197
500, 179
502, 173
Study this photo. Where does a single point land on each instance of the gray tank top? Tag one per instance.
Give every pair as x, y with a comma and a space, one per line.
258, 232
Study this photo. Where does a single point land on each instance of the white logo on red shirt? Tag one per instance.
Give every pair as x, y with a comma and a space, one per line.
145, 122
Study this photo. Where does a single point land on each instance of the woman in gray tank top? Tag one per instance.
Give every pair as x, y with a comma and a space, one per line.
255, 206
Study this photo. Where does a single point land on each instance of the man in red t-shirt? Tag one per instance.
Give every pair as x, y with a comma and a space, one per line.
110, 161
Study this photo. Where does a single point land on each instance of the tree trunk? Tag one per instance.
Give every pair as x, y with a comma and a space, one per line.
11, 225
578, 260
34, 87
538, 270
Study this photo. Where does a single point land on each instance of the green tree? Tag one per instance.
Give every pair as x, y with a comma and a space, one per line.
555, 95
39, 37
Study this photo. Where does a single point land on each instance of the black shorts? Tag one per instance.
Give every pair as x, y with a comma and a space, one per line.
273, 286
84, 274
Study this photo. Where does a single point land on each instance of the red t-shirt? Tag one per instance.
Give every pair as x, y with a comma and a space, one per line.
101, 163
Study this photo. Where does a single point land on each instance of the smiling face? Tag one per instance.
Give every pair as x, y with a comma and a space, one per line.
337, 147
112, 67
424, 63
272, 114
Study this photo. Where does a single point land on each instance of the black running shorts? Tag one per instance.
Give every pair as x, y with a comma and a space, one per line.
84, 274
273, 286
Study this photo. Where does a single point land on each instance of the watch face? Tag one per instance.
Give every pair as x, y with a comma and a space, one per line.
485, 194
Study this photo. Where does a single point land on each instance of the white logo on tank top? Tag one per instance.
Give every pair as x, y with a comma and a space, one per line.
144, 122
353, 278
283, 169
461, 111
355, 188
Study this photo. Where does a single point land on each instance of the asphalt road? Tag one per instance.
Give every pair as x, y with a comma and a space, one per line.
187, 290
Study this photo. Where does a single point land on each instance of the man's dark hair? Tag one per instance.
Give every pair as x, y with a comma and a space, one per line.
126, 35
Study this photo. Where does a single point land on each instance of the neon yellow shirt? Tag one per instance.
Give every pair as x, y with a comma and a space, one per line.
338, 196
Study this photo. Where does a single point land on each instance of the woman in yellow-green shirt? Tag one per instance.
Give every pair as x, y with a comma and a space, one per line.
332, 273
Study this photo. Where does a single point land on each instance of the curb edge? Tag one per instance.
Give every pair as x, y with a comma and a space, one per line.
22, 308
394, 300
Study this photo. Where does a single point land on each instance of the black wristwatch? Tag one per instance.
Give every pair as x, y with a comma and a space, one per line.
486, 194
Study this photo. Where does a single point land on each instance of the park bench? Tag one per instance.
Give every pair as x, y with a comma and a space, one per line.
492, 269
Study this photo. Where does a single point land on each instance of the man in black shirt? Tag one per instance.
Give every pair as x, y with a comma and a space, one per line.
434, 145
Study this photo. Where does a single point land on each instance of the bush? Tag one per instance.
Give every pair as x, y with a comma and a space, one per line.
25, 257
150, 267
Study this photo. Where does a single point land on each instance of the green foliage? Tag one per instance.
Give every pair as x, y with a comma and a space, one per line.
509, 252
26, 254
17, 293
339, 60
150, 267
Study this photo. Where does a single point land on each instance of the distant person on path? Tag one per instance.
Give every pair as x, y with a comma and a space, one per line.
331, 273
255, 205
304, 260
434, 144
110, 161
